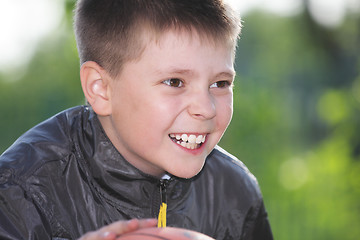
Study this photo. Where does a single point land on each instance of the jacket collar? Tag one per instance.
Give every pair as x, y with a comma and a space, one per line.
109, 169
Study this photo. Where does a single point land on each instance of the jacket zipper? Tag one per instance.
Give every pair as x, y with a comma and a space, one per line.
163, 203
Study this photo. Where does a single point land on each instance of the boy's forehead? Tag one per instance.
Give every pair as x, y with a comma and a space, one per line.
169, 41
184, 35
176, 49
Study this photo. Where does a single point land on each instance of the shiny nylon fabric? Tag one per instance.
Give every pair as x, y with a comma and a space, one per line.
64, 178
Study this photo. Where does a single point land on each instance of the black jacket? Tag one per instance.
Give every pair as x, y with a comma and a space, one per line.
64, 178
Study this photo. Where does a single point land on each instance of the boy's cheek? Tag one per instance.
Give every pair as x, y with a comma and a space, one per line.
225, 111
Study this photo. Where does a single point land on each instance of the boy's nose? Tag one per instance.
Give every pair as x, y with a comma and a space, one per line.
202, 105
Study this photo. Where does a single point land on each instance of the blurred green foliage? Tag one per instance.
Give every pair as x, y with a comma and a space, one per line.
296, 120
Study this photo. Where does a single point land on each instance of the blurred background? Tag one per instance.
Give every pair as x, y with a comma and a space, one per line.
296, 121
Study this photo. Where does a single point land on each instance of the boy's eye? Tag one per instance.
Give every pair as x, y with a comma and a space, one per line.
220, 84
174, 82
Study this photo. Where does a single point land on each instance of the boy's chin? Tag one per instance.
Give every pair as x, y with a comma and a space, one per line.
185, 173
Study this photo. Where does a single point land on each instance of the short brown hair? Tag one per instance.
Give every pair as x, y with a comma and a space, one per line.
109, 31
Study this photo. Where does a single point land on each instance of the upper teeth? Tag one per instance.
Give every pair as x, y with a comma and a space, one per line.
189, 138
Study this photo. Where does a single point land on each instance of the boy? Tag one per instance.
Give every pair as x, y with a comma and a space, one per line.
158, 77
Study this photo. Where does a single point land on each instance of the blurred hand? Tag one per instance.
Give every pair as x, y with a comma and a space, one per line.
111, 231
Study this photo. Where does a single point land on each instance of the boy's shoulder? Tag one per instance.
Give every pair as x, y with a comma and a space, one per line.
220, 159
48, 142
231, 173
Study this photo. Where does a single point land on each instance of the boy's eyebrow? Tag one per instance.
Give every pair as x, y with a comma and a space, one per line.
188, 72
231, 74
179, 71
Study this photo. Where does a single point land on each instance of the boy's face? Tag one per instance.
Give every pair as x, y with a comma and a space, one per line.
179, 91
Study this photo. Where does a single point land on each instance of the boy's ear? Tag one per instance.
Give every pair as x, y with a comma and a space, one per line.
95, 85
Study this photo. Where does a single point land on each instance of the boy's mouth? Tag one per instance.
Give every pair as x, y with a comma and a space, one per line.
189, 141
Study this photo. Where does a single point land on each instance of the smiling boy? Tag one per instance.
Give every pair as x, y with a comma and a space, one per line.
167, 110
158, 77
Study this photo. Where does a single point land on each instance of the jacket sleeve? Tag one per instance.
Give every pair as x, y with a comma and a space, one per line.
257, 226
20, 217
262, 230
